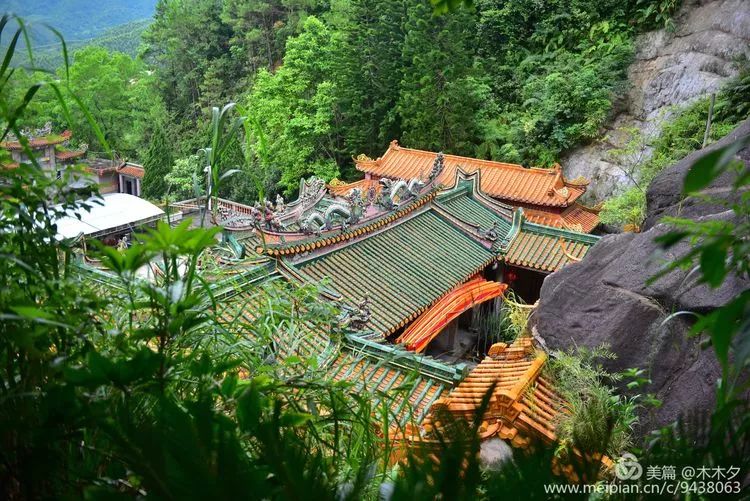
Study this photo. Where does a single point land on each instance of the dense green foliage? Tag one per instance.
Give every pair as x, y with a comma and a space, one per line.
598, 420
116, 90
157, 163
123, 387
324, 81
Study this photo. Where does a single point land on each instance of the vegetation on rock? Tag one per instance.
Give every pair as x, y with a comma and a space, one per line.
683, 133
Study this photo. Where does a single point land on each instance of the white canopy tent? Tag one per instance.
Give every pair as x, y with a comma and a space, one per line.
109, 213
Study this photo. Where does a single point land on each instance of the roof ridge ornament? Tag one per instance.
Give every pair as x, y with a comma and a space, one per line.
356, 318
493, 232
437, 167
515, 227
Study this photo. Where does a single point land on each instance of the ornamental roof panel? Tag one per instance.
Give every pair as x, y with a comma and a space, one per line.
403, 270
511, 182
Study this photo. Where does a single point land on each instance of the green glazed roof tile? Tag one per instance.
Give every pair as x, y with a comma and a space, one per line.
404, 269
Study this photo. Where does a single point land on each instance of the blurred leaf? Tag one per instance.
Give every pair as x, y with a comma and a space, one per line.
713, 264
295, 419
707, 168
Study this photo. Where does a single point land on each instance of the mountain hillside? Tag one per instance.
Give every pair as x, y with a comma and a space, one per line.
77, 20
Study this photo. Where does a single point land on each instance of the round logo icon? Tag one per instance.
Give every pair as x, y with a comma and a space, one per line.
628, 467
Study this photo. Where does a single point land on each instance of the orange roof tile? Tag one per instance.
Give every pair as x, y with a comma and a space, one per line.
523, 405
512, 182
577, 217
67, 155
580, 218
132, 170
430, 323
38, 142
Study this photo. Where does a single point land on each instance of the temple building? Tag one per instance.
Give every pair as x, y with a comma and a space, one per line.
54, 154
50, 150
414, 256
546, 196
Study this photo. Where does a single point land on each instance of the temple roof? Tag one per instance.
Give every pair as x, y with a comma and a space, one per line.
339, 188
511, 182
69, 154
133, 170
523, 405
431, 323
576, 217
468, 204
404, 269
547, 249
40, 141
410, 382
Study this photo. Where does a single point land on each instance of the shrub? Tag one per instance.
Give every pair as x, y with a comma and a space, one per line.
682, 134
596, 418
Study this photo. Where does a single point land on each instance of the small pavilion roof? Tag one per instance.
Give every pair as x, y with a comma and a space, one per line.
576, 217
69, 154
132, 170
511, 182
546, 249
38, 142
523, 405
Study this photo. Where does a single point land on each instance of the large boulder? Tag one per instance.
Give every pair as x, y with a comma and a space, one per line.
605, 299
664, 194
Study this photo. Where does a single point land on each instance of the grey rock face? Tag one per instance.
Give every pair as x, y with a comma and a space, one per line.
664, 198
605, 299
670, 70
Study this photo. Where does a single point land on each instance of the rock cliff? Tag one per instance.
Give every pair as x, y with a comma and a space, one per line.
605, 299
670, 70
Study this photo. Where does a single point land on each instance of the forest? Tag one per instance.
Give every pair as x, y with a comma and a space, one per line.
321, 82
118, 387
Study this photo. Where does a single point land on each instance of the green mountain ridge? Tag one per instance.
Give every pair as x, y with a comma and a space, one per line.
123, 38
78, 20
